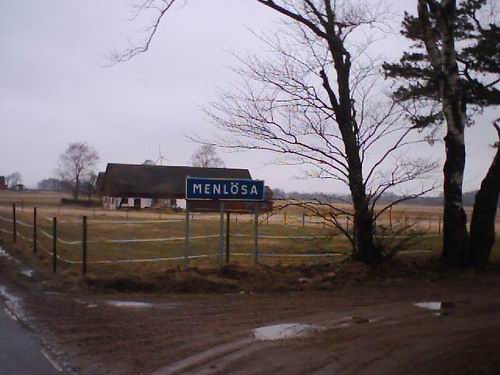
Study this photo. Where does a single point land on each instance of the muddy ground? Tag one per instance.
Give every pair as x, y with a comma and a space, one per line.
364, 327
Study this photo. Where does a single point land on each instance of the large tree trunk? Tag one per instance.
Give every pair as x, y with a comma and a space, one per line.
364, 246
454, 217
76, 190
363, 224
482, 227
442, 55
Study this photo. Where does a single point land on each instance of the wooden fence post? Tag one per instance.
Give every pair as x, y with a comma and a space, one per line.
186, 240
84, 245
34, 230
256, 236
303, 219
14, 222
54, 245
390, 218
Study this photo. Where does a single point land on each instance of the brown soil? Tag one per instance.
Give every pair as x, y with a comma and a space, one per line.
368, 327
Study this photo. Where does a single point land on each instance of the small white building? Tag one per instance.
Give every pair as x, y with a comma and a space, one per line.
112, 203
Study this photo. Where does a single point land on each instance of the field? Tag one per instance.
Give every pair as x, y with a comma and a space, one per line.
154, 240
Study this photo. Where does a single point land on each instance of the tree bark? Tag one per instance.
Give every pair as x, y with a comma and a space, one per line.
454, 216
442, 55
482, 227
76, 192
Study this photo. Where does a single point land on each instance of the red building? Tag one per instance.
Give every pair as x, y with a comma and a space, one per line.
3, 185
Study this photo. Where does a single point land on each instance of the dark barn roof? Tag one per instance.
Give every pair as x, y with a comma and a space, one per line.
153, 181
100, 181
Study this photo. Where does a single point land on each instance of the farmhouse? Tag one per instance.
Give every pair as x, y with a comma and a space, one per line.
143, 186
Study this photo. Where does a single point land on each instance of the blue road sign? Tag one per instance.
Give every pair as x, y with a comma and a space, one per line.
224, 189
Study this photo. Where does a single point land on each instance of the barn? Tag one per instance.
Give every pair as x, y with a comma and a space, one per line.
143, 186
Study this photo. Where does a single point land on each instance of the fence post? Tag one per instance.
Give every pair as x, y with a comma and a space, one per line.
84, 245
186, 240
221, 239
14, 222
228, 233
256, 236
303, 219
439, 224
34, 230
54, 244
285, 217
390, 217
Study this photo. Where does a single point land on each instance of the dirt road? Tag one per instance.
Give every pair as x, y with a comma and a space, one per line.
370, 329
361, 328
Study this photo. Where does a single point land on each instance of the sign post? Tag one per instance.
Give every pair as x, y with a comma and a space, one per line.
228, 239
221, 250
256, 236
226, 195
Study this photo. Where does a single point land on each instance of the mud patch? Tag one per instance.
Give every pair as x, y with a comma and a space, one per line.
284, 331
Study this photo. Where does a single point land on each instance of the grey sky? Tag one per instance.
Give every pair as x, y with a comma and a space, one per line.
53, 89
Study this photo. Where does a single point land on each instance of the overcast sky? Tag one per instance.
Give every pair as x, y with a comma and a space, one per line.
54, 89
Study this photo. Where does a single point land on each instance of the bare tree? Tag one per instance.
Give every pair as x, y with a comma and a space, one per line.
77, 163
13, 180
313, 103
206, 157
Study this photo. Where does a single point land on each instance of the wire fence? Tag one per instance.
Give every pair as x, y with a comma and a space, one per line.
80, 241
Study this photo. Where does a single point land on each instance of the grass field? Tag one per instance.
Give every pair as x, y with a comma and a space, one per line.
153, 240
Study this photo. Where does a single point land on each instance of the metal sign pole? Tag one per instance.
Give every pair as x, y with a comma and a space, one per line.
221, 250
228, 240
186, 240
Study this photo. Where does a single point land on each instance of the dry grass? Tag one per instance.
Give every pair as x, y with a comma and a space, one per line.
104, 225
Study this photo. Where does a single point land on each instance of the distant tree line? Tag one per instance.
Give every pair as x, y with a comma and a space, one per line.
468, 197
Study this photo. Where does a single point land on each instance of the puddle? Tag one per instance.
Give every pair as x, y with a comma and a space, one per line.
14, 305
434, 306
283, 331
6, 255
27, 272
130, 304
